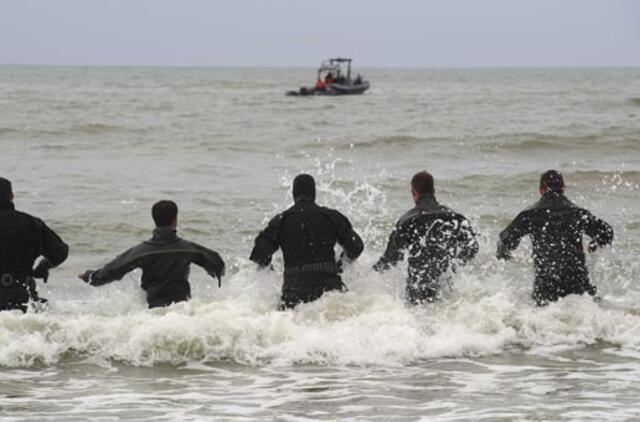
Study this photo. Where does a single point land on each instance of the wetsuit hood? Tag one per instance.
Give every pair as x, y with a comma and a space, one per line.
304, 186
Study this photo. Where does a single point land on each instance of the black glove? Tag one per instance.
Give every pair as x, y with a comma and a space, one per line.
42, 270
341, 262
268, 267
503, 253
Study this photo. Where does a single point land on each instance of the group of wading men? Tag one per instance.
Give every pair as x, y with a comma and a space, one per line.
431, 237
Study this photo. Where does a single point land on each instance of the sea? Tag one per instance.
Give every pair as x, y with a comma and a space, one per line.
90, 149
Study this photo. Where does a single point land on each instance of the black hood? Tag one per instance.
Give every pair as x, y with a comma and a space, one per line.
304, 186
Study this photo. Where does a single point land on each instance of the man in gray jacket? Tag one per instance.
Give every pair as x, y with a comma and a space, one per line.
164, 260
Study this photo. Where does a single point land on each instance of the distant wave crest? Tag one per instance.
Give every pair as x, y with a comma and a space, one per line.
94, 128
635, 101
516, 142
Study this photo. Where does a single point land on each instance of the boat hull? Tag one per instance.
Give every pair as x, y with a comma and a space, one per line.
332, 90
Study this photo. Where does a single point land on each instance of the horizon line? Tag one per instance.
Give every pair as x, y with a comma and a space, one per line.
443, 67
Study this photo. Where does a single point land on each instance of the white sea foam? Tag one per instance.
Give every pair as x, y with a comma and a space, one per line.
356, 328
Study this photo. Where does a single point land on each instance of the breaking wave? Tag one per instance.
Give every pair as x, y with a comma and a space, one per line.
339, 329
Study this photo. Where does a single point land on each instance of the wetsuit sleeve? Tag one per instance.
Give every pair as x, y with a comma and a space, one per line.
53, 248
209, 260
467, 247
115, 269
600, 232
350, 241
510, 237
394, 252
267, 242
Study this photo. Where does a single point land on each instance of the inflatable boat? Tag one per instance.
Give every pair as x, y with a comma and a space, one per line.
334, 78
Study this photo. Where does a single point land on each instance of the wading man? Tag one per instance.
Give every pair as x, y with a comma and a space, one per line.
164, 260
24, 238
307, 234
556, 227
432, 237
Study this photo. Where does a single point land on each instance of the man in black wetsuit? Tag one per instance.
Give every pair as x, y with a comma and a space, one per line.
556, 227
433, 237
24, 238
307, 234
164, 260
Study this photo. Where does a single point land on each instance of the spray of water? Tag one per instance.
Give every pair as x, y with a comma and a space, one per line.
488, 310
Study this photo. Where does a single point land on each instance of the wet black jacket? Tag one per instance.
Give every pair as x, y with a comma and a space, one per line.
307, 234
24, 238
164, 261
431, 236
556, 227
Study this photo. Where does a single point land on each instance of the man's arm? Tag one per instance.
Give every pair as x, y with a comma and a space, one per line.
509, 238
53, 250
600, 232
114, 270
267, 243
352, 245
209, 260
394, 252
467, 244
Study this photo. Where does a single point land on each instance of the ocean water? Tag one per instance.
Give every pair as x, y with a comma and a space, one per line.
90, 149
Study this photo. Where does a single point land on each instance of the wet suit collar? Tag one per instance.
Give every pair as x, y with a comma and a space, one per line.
552, 194
303, 198
427, 200
554, 199
164, 233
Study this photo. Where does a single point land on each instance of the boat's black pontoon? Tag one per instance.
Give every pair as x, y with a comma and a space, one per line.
334, 78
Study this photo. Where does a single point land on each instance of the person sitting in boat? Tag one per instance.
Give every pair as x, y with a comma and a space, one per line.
320, 85
329, 78
358, 80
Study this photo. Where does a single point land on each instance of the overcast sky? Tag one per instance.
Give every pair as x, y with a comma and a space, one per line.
446, 33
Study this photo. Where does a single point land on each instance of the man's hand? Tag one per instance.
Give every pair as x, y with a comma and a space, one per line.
503, 255
268, 267
42, 270
503, 252
86, 276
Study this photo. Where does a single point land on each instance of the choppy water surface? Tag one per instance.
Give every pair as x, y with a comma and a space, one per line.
90, 149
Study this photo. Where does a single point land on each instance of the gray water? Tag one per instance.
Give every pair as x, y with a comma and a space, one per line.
90, 149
